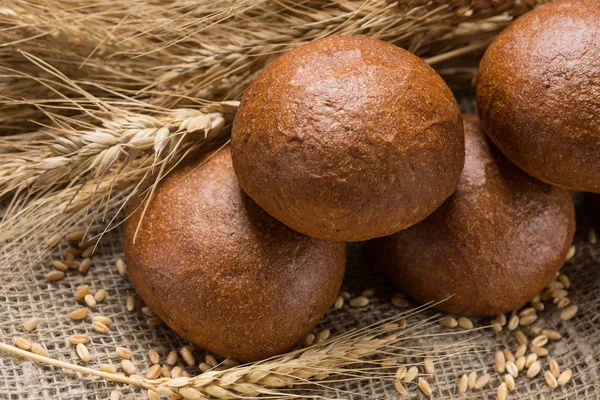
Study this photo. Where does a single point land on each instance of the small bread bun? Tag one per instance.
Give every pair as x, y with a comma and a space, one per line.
538, 93
492, 246
223, 273
347, 139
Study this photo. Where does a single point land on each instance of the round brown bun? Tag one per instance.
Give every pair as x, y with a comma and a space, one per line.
492, 246
348, 138
223, 273
538, 92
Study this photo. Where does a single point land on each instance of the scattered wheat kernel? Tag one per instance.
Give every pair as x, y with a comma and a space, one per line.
79, 314
512, 369
115, 395
592, 236
153, 356
230, 363
172, 357
571, 253
345, 295
152, 395
308, 340
54, 240
534, 369
83, 352
121, 267
164, 371
400, 302
559, 293
472, 378
547, 294
501, 319
539, 306
100, 327
400, 388
429, 366
22, 343
204, 367
500, 362
130, 304
411, 374
402, 323
564, 377
154, 321
528, 319
76, 339
568, 313
75, 236
562, 278
463, 383
400, 373
82, 291
555, 285
520, 363
481, 381
30, 324
322, 336
339, 302
465, 323
521, 350
146, 310
368, 292
535, 330
496, 326
153, 372
123, 352
128, 367
502, 393
54, 276
100, 295
540, 351
550, 380
187, 356
359, 301
85, 265
513, 322
527, 311
554, 368
59, 265
88, 252
39, 350
551, 334
390, 326
510, 382
108, 368
521, 337
531, 358
90, 301
449, 322
101, 318
562, 302
508, 355
425, 388
388, 363
540, 341
210, 360
176, 371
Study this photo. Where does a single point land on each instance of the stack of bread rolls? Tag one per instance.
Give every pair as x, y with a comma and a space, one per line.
242, 251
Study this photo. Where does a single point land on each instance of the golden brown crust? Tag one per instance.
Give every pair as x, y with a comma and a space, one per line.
223, 273
348, 138
538, 92
493, 245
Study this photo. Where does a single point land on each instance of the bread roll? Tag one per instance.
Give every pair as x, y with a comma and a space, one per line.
538, 92
223, 273
348, 138
492, 246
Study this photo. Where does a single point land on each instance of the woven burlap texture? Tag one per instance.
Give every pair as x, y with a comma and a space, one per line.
579, 348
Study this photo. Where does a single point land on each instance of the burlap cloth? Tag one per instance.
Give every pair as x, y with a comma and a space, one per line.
51, 303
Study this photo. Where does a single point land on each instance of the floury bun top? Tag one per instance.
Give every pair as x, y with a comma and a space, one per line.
347, 139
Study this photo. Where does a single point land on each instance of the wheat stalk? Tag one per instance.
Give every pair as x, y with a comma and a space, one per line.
352, 356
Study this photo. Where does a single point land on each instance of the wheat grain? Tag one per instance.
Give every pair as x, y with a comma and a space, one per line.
571, 253
22, 343
83, 352
521, 337
429, 366
496, 326
500, 362
568, 313
153, 372
55, 276
127, 367
210, 360
520, 363
359, 301
508, 355
172, 357
77, 339
521, 350
203, 368
399, 302
592, 236
153, 356
528, 319
115, 395
59, 265
564, 377
538, 305
449, 322
555, 368
176, 371
425, 387
540, 341
564, 279
513, 322
79, 314
531, 358
552, 334
39, 350
481, 382
308, 340
400, 373
108, 368
465, 323
82, 291
101, 318
100, 327
501, 319
550, 380
510, 382
100, 295
88, 252
368, 292
472, 378
339, 302
90, 301
322, 336
400, 388
562, 302
502, 392
130, 304
85, 265
540, 351
187, 356
463, 384
123, 352
526, 311
512, 369
165, 372
410, 374
30, 324
154, 321
54, 240
534, 369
